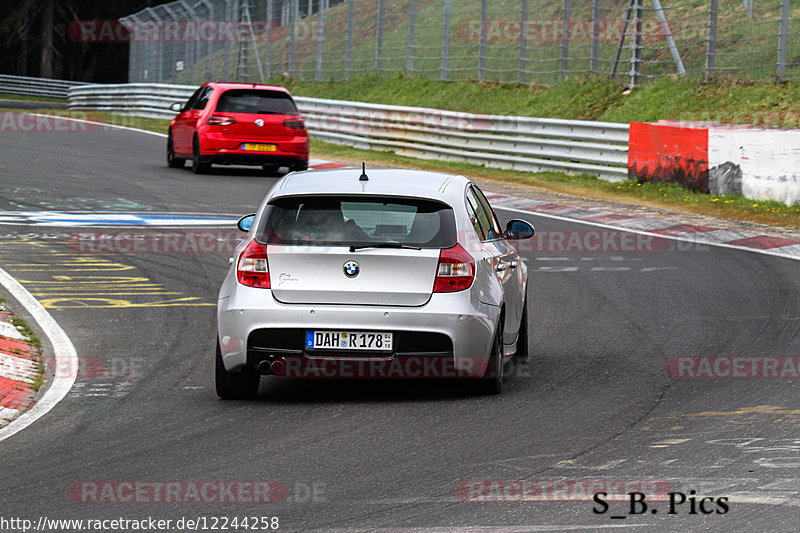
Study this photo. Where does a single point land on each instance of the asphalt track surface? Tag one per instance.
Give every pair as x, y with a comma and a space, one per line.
594, 403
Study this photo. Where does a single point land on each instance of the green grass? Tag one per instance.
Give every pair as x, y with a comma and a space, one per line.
591, 98
158, 125
5, 96
669, 196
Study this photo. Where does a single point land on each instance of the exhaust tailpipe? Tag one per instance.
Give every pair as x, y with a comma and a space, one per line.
265, 367
278, 367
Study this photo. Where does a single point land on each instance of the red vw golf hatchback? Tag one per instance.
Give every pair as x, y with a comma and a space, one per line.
238, 124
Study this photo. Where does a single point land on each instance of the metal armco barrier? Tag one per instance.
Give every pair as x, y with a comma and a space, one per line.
521, 143
35, 86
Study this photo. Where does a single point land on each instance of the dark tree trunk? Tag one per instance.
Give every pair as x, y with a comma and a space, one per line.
48, 29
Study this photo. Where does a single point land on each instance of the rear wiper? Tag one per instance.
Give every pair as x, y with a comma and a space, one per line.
354, 247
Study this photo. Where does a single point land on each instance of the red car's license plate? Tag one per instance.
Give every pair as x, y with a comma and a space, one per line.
259, 147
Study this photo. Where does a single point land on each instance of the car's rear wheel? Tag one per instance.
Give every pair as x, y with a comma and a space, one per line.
300, 166
521, 355
198, 167
235, 385
172, 160
492, 382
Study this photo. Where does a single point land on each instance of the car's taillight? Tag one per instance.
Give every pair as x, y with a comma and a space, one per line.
252, 269
220, 120
456, 270
294, 123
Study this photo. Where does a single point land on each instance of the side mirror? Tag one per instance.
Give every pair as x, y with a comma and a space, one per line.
246, 222
177, 107
517, 230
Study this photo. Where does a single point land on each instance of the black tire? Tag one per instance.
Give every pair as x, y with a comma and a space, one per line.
198, 167
300, 166
492, 382
172, 160
521, 355
235, 385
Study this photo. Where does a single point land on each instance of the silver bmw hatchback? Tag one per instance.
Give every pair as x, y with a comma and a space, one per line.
380, 274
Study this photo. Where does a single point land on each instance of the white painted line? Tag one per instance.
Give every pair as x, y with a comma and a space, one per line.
7, 412
164, 135
64, 351
648, 233
11, 331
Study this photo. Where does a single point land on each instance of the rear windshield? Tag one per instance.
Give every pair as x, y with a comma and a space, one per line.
358, 221
256, 101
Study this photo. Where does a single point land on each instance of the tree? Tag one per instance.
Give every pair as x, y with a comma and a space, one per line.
34, 40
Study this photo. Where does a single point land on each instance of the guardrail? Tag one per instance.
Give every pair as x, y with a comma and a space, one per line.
26, 86
521, 143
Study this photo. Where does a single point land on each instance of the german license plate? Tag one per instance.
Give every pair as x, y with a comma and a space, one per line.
380, 341
259, 147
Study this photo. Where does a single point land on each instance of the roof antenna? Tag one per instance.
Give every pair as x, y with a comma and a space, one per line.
363, 176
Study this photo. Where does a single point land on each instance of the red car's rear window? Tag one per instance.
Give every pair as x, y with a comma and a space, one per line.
256, 101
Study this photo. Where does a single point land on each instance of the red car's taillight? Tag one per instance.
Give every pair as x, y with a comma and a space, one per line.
220, 120
252, 269
294, 123
456, 270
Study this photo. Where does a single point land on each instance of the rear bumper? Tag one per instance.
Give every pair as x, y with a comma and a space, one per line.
237, 158
467, 323
221, 150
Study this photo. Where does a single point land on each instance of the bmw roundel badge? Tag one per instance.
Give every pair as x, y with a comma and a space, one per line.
351, 269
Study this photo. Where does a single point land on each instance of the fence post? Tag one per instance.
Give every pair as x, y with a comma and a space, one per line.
594, 60
210, 48
379, 39
171, 64
412, 30
711, 49
673, 48
783, 38
226, 46
482, 50
348, 46
159, 30
523, 41
293, 8
320, 39
636, 49
268, 39
565, 39
445, 39
242, 52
